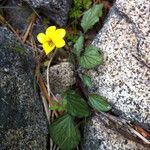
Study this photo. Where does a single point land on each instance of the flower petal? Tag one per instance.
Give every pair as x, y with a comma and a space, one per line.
60, 33
50, 31
59, 42
48, 47
41, 37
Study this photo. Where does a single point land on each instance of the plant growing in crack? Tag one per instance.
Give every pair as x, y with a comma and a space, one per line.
76, 102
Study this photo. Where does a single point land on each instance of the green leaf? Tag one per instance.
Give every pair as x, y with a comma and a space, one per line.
72, 38
64, 132
86, 80
91, 17
57, 105
91, 58
76, 106
59, 108
78, 46
99, 103
53, 107
76, 10
75, 13
86, 4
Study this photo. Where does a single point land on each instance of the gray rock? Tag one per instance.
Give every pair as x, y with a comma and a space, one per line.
99, 137
55, 9
23, 124
61, 77
124, 78
18, 14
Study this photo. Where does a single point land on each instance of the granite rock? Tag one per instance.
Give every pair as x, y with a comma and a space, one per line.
61, 77
23, 125
98, 137
55, 9
124, 79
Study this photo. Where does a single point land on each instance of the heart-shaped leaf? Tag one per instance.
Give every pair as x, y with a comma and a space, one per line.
64, 132
76, 106
86, 80
91, 57
91, 17
99, 103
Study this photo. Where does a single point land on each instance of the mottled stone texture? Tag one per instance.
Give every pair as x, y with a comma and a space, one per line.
23, 124
18, 14
98, 137
57, 10
124, 79
61, 77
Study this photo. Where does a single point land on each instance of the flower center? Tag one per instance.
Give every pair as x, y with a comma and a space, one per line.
50, 43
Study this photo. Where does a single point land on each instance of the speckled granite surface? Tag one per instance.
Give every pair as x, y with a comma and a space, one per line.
61, 77
99, 137
124, 79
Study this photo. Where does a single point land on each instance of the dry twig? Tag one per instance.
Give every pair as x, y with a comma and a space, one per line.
124, 127
44, 90
30, 27
3, 21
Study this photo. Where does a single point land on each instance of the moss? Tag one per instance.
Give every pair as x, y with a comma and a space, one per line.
78, 7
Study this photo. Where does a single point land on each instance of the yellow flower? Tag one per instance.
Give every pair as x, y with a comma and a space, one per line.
52, 38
